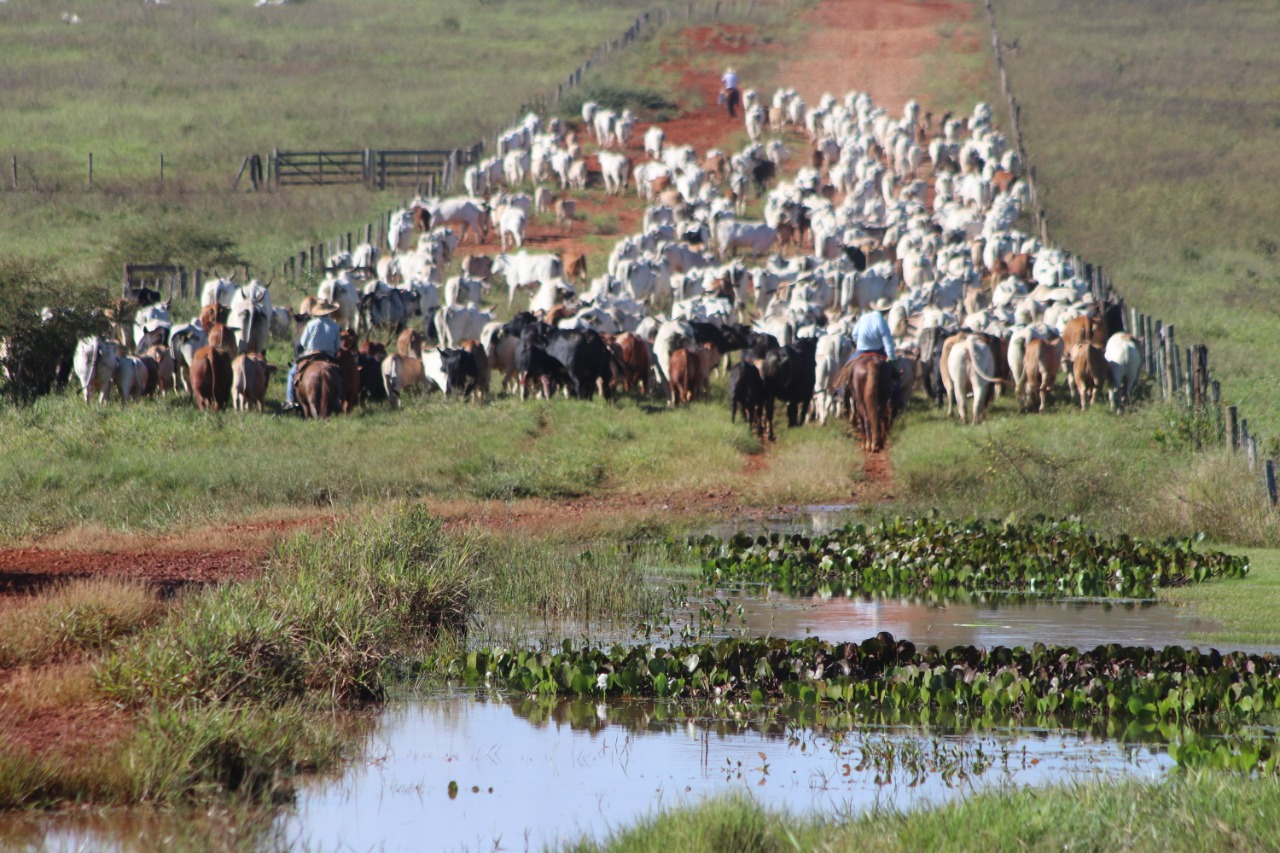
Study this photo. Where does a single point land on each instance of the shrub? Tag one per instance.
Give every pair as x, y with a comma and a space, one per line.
41, 318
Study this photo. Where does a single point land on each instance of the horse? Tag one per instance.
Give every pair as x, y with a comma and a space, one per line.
318, 388
871, 386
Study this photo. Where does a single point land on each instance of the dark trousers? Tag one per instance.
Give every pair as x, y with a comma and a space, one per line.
732, 99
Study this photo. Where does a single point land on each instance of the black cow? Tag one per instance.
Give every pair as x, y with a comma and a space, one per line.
460, 370
790, 375
587, 360
533, 364
747, 392
372, 386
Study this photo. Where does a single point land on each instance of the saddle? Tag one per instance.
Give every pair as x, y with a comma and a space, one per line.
306, 360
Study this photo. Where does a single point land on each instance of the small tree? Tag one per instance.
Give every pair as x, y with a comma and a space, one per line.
42, 316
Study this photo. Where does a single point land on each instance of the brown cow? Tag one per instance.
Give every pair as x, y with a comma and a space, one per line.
212, 314
422, 219
377, 349
690, 371
477, 266
574, 265
482, 368
632, 353
349, 370
224, 339
249, 376
1089, 372
717, 166
160, 369
211, 378
1002, 180
1077, 330
1040, 366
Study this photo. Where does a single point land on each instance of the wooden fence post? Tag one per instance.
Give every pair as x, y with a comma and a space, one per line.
90, 170
1233, 427
13, 166
1270, 471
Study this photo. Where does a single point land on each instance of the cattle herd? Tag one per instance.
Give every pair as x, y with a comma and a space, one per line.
920, 211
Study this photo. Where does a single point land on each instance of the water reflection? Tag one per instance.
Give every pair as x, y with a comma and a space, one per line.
471, 774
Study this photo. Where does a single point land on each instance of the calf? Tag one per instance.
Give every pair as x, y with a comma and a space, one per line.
533, 363
1041, 363
746, 392
1089, 372
480, 383
249, 376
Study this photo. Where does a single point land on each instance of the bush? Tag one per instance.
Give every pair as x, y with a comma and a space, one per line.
41, 318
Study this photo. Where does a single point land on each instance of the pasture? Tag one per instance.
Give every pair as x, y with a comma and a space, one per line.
1152, 127
557, 528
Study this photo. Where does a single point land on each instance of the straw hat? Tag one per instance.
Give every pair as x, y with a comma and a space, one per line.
884, 303
324, 309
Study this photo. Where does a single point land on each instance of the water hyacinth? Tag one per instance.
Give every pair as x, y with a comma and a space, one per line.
911, 556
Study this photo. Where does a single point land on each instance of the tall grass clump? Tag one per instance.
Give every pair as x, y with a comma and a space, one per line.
325, 625
72, 618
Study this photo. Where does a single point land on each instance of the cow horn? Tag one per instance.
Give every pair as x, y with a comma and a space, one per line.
233, 275
268, 284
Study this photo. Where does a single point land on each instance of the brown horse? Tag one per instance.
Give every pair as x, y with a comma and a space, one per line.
318, 388
871, 385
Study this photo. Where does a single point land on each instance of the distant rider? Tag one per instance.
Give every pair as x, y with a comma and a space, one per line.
320, 338
730, 97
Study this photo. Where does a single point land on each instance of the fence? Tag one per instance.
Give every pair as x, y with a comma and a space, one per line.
1181, 375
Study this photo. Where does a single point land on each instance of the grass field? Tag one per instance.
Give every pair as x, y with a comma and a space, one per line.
207, 84
1153, 126
162, 464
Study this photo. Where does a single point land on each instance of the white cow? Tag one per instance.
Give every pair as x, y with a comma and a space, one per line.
615, 168
525, 270
1124, 360
151, 320
512, 225
971, 368
184, 342
757, 238
654, 137
340, 291
250, 317
468, 215
95, 365
400, 231
217, 290
455, 324
130, 378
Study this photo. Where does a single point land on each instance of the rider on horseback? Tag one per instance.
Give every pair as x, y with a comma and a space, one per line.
871, 334
320, 339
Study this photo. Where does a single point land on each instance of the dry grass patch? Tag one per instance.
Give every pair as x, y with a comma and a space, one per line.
29, 691
72, 618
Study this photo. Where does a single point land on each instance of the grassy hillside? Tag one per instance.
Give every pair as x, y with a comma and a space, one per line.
206, 84
1153, 125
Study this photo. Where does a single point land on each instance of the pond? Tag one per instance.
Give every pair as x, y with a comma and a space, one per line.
458, 770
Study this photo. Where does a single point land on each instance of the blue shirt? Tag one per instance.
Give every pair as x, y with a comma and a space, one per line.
321, 335
871, 332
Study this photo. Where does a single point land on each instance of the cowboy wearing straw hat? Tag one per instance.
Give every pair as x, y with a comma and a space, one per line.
872, 334
320, 339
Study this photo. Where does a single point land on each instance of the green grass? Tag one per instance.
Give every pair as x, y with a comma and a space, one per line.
1187, 812
1138, 473
207, 85
1244, 609
161, 464
1153, 126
